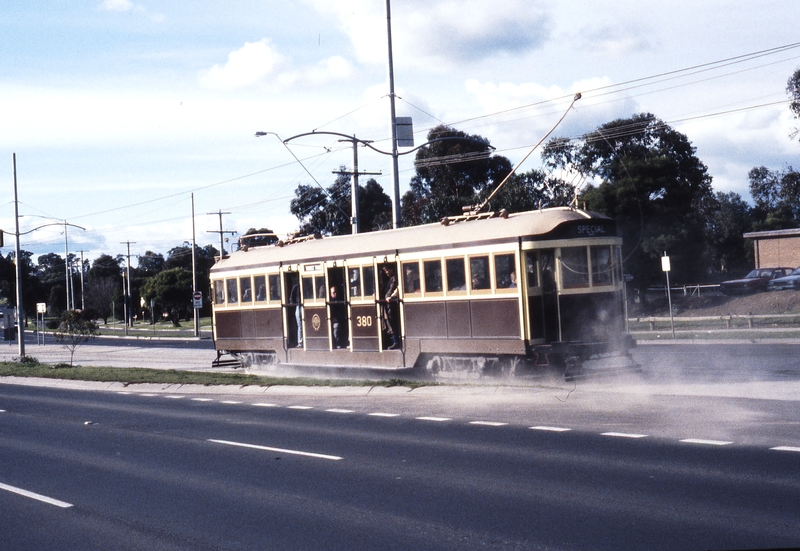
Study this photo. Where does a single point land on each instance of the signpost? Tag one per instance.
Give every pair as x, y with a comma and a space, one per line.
665, 268
41, 308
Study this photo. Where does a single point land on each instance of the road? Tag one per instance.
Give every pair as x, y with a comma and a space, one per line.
614, 464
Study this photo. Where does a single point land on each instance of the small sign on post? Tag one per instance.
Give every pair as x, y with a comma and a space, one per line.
198, 299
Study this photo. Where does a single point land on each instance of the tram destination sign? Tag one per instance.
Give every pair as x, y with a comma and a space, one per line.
577, 229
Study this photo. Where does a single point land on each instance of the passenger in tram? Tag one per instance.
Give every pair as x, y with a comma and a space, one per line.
390, 313
338, 318
513, 278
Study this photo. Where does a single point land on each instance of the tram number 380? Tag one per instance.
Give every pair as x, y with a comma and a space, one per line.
363, 321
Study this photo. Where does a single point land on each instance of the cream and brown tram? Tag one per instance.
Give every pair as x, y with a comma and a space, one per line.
507, 293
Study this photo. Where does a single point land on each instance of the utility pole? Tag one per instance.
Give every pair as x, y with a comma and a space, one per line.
354, 185
83, 288
129, 311
20, 309
194, 276
221, 232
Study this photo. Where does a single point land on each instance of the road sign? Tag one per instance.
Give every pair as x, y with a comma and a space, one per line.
198, 299
41, 307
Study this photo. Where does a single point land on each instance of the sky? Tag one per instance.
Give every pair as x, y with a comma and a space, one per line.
120, 111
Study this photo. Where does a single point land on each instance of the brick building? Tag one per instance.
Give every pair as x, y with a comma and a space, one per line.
776, 248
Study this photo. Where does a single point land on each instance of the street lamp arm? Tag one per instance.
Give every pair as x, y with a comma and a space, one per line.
53, 224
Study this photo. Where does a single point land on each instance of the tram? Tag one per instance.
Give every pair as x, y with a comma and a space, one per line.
488, 294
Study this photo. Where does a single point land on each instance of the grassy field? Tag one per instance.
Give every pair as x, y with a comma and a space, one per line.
32, 368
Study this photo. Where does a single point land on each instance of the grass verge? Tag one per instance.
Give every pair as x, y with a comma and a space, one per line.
29, 367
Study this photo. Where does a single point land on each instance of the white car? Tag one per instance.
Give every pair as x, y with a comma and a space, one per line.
791, 281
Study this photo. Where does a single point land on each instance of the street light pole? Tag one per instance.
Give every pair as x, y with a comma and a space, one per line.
194, 276
395, 170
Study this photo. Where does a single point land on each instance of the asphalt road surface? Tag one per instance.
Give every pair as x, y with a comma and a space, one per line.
637, 462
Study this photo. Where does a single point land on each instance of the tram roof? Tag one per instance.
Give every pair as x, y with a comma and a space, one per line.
415, 238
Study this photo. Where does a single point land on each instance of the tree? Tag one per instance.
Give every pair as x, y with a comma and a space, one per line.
150, 264
793, 89
172, 291
727, 217
652, 183
73, 331
451, 171
101, 292
328, 212
776, 195
529, 191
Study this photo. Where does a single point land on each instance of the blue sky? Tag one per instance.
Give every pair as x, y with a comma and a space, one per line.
118, 110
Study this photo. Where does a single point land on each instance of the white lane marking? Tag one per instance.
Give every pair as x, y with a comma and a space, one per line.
301, 407
202, 399
265, 405
550, 429
786, 449
706, 442
384, 414
278, 450
335, 410
230, 402
38, 497
488, 423
123, 393
437, 419
175, 397
623, 435
3, 411
149, 395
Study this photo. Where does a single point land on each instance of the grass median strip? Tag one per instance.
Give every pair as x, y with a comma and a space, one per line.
136, 375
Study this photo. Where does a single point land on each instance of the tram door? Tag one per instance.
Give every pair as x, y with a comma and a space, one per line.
338, 311
315, 311
365, 322
292, 310
389, 305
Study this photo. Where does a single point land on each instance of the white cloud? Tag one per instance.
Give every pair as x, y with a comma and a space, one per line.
427, 34
335, 68
125, 6
249, 64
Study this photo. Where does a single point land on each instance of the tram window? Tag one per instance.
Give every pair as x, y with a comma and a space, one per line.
308, 288
319, 284
219, 292
260, 285
411, 283
456, 277
433, 276
574, 267
547, 278
369, 281
354, 277
479, 273
233, 292
245, 287
504, 271
275, 288
601, 265
531, 270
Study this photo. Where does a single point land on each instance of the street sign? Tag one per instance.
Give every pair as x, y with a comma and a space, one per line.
41, 307
198, 299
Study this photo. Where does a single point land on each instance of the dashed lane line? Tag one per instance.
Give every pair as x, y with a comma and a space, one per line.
229, 402
623, 435
175, 396
435, 419
38, 497
786, 449
202, 399
384, 414
278, 450
551, 429
706, 442
336, 410
265, 405
300, 407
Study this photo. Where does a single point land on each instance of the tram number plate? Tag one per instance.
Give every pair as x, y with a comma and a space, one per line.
364, 321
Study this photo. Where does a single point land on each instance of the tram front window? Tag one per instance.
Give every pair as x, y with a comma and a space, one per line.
219, 292
601, 265
574, 267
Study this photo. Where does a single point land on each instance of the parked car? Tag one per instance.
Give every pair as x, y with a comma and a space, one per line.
754, 282
791, 281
